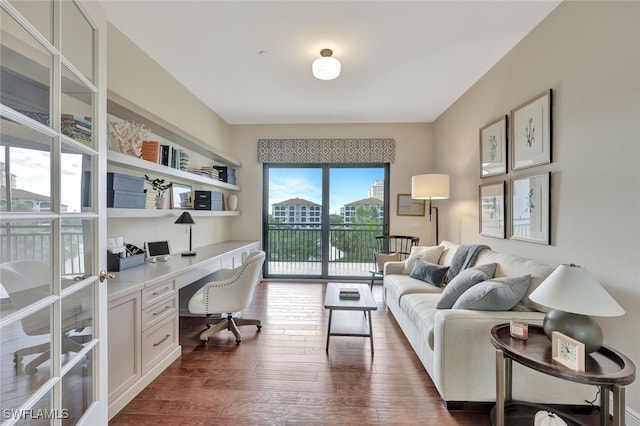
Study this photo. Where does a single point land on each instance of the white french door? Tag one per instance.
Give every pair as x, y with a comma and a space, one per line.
52, 150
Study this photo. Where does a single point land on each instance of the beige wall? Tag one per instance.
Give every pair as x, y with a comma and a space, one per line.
589, 53
413, 156
133, 75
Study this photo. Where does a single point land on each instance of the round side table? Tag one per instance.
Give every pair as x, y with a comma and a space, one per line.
606, 368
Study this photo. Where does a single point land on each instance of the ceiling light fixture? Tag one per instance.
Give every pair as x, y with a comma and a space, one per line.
326, 67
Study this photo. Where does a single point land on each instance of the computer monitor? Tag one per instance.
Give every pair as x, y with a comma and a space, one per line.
157, 250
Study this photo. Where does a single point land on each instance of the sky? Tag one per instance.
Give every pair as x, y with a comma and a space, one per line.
32, 169
346, 185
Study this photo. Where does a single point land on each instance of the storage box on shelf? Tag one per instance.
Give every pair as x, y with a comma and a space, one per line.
124, 191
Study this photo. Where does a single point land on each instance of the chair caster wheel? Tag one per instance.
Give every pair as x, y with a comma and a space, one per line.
259, 327
204, 341
238, 341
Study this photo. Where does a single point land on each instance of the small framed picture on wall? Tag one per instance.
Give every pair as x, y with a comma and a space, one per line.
531, 132
492, 219
493, 148
531, 208
407, 206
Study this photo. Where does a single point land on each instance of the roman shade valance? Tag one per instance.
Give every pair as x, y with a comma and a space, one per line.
297, 151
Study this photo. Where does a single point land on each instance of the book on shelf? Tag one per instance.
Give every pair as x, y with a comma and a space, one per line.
164, 155
150, 151
77, 128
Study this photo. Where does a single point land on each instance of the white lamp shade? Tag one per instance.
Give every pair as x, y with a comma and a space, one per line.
430, 187
573, 289
326, 68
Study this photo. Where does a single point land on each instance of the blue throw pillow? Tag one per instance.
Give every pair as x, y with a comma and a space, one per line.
463, 282
497, 294
429, 272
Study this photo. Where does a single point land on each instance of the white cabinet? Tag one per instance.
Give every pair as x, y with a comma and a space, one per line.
124, 344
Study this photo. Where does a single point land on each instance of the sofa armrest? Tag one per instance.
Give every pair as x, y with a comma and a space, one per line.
393, 267
463, 349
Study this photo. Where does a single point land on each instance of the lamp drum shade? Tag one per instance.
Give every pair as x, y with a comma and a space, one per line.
430, 187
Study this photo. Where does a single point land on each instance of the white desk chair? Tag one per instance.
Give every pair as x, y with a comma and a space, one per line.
26, 282
231, 293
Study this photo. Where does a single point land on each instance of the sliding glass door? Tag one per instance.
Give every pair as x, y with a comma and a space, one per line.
320, 220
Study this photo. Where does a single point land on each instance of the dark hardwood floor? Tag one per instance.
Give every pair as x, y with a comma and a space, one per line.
282, 376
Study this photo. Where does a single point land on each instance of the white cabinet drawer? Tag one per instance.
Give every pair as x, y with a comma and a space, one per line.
157, 342
227, 262
154, 294
159, 312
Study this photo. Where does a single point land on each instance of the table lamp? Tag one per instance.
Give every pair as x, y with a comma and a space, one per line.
186, 219
430, 187
573, 294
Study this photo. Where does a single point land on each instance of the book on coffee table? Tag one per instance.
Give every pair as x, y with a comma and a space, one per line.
349, 293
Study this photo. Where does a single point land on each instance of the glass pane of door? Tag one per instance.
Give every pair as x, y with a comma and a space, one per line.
294, 221
25, 71
356, 197
77, 38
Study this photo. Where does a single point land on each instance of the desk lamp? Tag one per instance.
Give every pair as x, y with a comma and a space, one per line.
186, 219
430, 187
573, 294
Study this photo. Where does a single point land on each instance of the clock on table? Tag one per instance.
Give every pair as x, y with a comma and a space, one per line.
568, 351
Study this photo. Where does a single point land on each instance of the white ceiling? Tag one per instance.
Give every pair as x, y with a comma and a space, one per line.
402, 61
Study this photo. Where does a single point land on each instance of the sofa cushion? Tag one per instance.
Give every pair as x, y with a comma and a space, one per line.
497, 294
463, 282
420, 310
429, 272
397, 285
382, 258
430, 254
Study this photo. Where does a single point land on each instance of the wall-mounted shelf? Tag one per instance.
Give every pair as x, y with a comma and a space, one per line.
126, 110
113, 213
148, 167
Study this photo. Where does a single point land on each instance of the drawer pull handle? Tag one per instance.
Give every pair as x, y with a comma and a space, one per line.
161, 341
166, 308
155, 293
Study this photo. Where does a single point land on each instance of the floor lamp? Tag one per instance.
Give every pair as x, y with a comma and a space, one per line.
430, 187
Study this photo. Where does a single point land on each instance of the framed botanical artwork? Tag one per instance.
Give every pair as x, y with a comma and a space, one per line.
181, 197
492, 219
493, 148
531, 132
531, 208
407, 206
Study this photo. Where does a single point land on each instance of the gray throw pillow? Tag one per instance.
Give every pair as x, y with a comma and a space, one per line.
463, 282
429, 272
497, 294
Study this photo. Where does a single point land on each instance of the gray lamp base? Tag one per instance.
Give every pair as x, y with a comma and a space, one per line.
579, 327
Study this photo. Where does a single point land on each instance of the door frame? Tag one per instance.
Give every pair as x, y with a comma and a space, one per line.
325, 223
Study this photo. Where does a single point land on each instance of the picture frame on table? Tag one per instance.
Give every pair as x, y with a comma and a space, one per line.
493, 148
181, 196
531, 126
531, 208
492, 209
407, 206
567, 351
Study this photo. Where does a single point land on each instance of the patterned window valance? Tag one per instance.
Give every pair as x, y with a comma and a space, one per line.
292, 151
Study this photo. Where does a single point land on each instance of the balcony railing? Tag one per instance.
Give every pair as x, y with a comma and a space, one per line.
297, 249
32, 241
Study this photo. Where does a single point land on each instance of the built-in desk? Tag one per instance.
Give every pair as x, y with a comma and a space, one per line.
143, 314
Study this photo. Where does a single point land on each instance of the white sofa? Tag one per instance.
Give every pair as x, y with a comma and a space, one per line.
454, 344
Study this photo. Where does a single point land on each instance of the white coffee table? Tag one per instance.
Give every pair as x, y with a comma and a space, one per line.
346, 321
